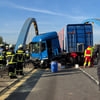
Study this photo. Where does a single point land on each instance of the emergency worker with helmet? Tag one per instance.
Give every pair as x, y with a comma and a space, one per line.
20, 54
2, 55
27, 54
88, 56
93, 56
6, 48
11, 62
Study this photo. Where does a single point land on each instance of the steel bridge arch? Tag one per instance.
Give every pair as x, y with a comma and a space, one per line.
24, 32
95, 20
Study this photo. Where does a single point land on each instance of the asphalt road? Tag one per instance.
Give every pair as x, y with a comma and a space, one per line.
68, 84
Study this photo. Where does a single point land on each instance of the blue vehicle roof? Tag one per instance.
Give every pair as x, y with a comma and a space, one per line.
45, 36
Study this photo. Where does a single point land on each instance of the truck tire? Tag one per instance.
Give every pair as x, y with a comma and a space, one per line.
72, 61
80, 60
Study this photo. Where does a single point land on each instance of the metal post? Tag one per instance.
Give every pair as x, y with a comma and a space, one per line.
60, 40
83, 48
63, 38
92, 30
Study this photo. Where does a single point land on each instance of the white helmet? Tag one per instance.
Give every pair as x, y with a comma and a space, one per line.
10, 46
1, 45
20, 46
6, 46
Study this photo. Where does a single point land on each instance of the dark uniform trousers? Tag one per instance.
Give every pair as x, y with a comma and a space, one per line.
20, 54
98, 72
12, 70
19, 68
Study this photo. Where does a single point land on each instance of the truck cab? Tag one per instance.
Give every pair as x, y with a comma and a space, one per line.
44, 48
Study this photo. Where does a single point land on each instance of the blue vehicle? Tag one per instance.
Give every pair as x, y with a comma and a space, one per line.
44, 48
78, 38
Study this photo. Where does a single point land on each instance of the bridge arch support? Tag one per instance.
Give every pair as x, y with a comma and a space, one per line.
97, 21
24, 32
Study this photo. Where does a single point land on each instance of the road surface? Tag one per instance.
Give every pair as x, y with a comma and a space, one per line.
67, 84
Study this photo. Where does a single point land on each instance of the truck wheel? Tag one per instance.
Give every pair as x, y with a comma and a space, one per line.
72, 60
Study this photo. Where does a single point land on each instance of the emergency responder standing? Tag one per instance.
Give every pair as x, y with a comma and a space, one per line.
93, 56
87, 55
11, 62
2, 55
20, 54
7, 48
27, 54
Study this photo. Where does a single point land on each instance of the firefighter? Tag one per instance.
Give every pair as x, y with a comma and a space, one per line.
93, 56
27, 54
7, 48
88, 56
20, 54
2, 55
11, 62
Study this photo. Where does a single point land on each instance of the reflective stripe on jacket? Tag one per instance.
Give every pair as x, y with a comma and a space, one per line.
20, 55
88, 52
2, 55
10, 55
27, 53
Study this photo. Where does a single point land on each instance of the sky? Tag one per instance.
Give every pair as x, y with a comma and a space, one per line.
51, 15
